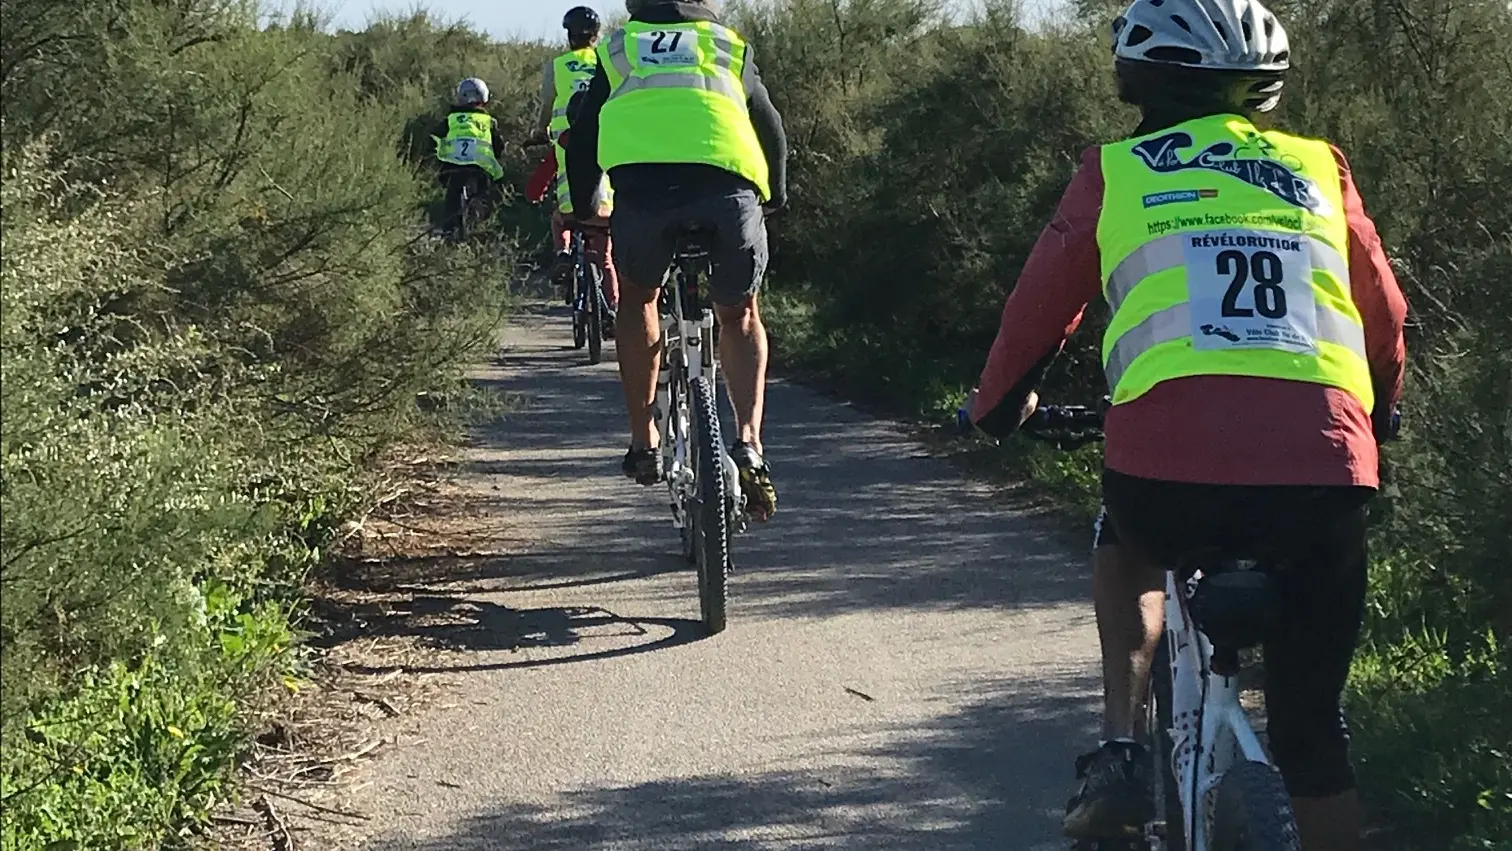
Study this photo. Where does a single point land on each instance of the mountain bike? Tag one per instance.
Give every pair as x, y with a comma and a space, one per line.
708, 508
1216, 789
472, 206
590, 307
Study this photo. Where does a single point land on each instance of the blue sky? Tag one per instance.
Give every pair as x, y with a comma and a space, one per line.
501, 18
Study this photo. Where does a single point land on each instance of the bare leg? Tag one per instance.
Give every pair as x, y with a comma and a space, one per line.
743, 355
1129, 596
1329, 824
638, 342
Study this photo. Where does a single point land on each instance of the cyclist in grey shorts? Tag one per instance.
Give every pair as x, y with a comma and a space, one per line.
677, 115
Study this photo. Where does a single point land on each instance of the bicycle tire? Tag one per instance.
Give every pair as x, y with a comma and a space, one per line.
711, 536
1253, 812
464, 202
579, 321
595, 317
1161, 747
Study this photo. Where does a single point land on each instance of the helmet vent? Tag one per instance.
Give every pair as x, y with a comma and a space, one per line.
1174, 55
1138, 35
1181, 22
1222, 33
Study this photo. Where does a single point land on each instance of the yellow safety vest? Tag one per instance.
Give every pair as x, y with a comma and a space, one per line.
676, 95
469, 141
571, 73
1225, 252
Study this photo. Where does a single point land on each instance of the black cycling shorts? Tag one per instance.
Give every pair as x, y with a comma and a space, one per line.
644, 228
1317, 535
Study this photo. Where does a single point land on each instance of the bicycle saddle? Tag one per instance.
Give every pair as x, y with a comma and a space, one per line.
692, 237
1235, 606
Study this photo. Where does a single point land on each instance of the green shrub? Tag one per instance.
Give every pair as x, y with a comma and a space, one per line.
218, 309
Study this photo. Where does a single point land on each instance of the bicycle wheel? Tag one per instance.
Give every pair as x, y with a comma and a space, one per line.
579, 318
1253, 812
1167, 792
593, 307
711, 538
464, 204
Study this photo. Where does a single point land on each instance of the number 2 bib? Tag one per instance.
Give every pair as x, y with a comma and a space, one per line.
1251, 289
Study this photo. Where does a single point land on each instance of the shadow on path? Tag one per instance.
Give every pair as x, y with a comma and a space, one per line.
888, 799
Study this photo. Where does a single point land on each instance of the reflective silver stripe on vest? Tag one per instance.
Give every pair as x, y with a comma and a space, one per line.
559, 113
724, 60
1166, 253
718, 85
1175, 323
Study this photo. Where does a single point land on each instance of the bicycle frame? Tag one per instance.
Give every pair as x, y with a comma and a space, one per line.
688, 353
577, 246
1208, 725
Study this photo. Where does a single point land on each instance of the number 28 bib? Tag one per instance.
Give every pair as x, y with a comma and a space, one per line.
1251, 289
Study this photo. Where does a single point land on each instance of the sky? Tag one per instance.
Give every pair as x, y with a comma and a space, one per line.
531, 19
503, 19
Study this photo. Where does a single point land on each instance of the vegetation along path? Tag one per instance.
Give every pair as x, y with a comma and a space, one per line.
909, 663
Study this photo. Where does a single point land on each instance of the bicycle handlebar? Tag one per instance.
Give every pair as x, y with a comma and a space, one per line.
1070, 427
1066, 427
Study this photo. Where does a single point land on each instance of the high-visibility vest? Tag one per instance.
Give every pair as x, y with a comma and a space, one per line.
571, 73
676, 95
1225, 252
469, 141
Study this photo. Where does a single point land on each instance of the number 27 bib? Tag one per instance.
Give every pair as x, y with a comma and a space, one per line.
667, 47
1251, 289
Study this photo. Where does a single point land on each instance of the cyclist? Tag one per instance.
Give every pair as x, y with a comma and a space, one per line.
564, 76
1254, 354
678, 116
467, 143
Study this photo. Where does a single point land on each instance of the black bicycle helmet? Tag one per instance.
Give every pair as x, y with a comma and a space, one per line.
580, 19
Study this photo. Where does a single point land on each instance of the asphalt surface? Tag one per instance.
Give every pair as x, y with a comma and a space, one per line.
910, 661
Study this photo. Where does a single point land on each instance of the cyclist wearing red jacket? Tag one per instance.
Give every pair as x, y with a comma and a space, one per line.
1254, 355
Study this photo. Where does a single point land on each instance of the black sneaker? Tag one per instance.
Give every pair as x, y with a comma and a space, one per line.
642, 465
1115, 799
755, 482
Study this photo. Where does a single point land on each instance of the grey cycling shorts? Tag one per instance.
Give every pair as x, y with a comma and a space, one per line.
644, 237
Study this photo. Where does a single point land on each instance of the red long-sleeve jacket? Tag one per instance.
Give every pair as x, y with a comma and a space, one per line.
1205, 429
540, 179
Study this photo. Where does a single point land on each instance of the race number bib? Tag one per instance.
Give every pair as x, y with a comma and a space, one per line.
667, 47
465, 150
1251, 289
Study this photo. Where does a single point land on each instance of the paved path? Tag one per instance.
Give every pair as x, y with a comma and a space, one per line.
909, 664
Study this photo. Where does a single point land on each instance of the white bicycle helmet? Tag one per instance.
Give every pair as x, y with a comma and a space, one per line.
472, 92
1218, 35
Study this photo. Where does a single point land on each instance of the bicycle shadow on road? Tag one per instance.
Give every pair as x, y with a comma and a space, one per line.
450, 604
971, 779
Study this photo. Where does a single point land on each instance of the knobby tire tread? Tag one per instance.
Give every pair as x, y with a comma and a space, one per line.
1253, 811
595, 329
713, 537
